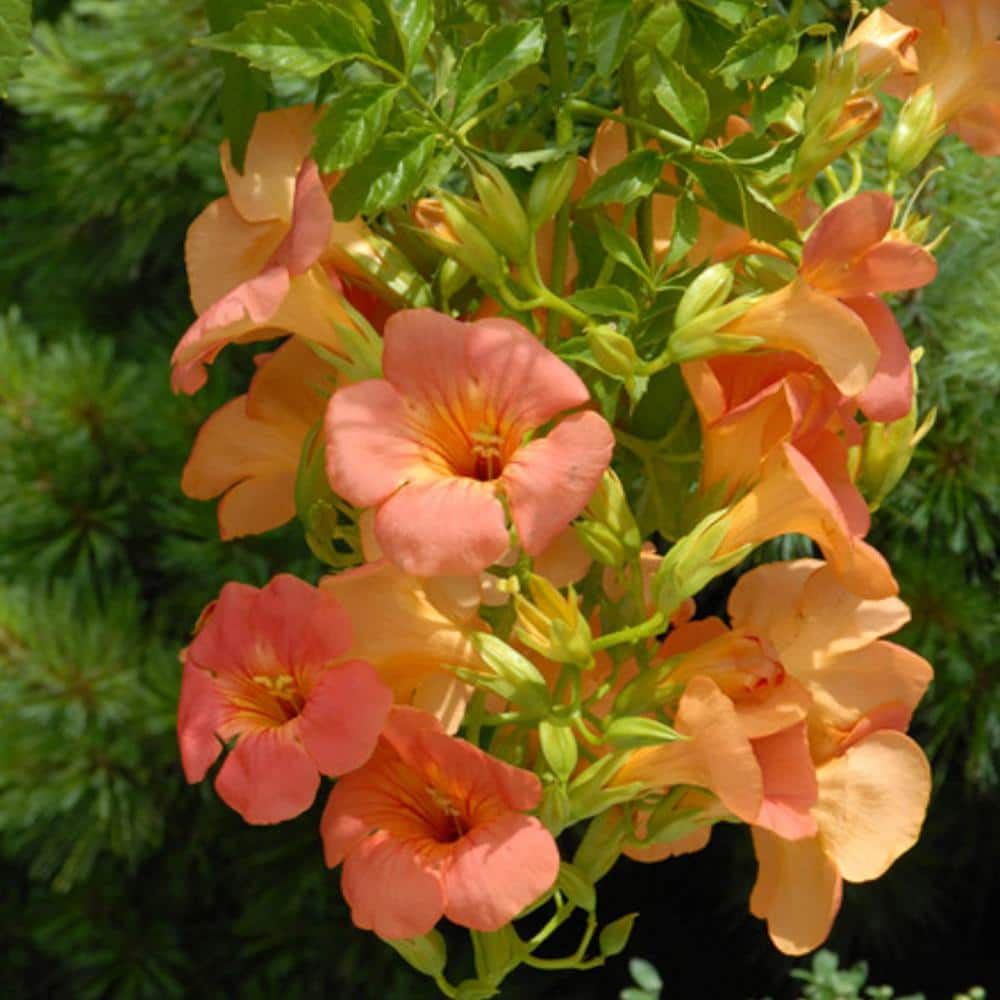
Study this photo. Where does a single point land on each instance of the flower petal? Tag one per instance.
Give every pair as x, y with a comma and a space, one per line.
872, 803
790, 788
312, 220
497, 870
798, 891
268, 777
444, 526
199, 715
370, 450
343, 717
390, 890
844, 233
889, 395
549, 481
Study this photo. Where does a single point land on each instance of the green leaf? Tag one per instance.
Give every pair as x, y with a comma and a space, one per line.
622, 248
501, 53
606, 301
303, 38
731, 12
386, 177
768, 49
660, 30
687, 222
412, 22
645, 974
15, 29
529, 158
633, 178
683, 98
610, 29
352, 123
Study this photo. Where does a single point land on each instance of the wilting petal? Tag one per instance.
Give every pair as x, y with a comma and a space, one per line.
222, 251
798, 891
499, 869
803, 319
390, 890
199, 715
370, 451
341, 721
268, 777
443, 526
549, 481
872, 804
279, 143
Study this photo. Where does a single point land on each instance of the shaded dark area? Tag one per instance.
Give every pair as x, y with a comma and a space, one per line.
121, 880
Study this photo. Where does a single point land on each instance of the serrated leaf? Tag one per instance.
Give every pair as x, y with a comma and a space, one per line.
501, 53
633, 178
684, 235
352, 123
412, 22
610, 29
622, 248
386, 177
606, 301
683, 98
304, 38
15, 29
768, 49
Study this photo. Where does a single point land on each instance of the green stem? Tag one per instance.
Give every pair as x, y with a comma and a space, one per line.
644, 215
634, 633
668, 138
559, 94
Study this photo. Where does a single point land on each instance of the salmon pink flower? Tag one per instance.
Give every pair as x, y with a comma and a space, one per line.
432, 826
884, 45
437, 443
249, 449
264, 671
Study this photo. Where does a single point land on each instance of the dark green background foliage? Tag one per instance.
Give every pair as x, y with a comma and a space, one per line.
122, 881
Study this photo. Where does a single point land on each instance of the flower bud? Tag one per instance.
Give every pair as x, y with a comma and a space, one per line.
519, 679
503, 218
613, 939
471, 248
613, 352
558, 747
915, 133
691, 564
703, 336
550, 189
708, 291
637, 731
552, 624
609, 531
555, 812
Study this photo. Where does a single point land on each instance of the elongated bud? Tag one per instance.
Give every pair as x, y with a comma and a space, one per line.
558, 747
555, 811
613, 939
550, 189
703, 336
691, 564
708, 291
504, 221
609, 531
637, 731
915, 133
472, 249
613, 351
590, 792
452, 278
514, 677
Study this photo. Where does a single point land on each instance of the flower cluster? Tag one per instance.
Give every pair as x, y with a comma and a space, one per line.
524, 424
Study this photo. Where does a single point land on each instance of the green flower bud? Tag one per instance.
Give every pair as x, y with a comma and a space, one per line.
708, 291
614, 937
609, 531
915, 133
601, 846
473, 249
613, 351
504, 221
637, 731
550, 189
702, 337
516, 673
555, 811
558, 747
552, 624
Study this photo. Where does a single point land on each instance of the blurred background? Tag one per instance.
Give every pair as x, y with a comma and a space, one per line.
122, 881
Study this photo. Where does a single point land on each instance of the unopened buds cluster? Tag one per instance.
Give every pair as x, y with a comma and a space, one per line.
703, 313
608, 529
552, 625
